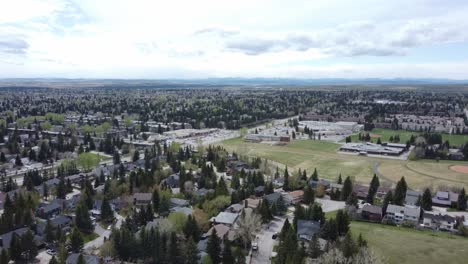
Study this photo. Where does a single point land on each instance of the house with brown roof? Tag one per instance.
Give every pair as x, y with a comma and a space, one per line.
296, 196
140, 199
371, 212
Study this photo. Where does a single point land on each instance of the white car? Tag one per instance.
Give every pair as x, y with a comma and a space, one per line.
254, 246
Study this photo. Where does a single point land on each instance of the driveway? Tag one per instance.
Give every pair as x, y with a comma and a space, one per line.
95, 244
330, 205
265, 240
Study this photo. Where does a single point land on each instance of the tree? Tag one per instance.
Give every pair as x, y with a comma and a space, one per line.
426, 200
329, 230
28, 246
49, 232
213, 247
156, 201
15, 248
221, 188
461, 204
88, 160
286, 179
116, 157
228, 258
347, 189
309, 195
400, 192
4, 258
191, 252
107, 215
352, 200
76, 240
386, 201
314, 247
249, 223
53, 260
82, 219
18, 161
191, 229
342, 222
348, 247
136, 155
80, 259
373, 188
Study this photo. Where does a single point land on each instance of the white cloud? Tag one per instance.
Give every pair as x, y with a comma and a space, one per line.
158, 39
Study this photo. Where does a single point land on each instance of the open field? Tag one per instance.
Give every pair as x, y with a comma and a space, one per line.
406, 245
310, 154
385, 134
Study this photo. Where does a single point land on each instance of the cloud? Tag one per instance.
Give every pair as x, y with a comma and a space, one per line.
13, 45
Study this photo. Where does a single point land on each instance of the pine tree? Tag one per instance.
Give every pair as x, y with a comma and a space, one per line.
342, 222
80, 259
76, 240
136, 155
347, 189
28, 246
400, 192
309, 195
49, 232
426, 200
329, 230
213, 247
174, 250
191, 252
348, 247
227, 253
107, 214
461, 203
53, 260
352, 200
340, 180
314, 176
387, 200
314, 247
286, 179
373, 188
15, 248
4, 258
221, 188
82, 219
361, 242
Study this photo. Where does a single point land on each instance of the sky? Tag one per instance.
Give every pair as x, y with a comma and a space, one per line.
310, 39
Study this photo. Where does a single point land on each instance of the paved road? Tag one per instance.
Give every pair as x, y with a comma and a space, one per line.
94, 245
265, 240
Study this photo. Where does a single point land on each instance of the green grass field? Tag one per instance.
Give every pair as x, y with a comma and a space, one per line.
405, 245
385, 134
310, 154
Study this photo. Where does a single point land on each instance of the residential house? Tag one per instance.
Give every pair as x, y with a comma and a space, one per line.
89, 259
439, 221
62, 222
140, 199
48, 210
185, 210
443, 198
306, 229
176, 202
371, 212
225, 218
223, 231
399, 214
172, 180
360, 191
296, 196
321, 182
272, 198
252, 203
5, 239
235, 208
259, 191
412, 197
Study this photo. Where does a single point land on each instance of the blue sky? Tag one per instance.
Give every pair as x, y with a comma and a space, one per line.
206, 38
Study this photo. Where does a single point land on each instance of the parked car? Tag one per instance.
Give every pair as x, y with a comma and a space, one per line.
254, 246
275, 235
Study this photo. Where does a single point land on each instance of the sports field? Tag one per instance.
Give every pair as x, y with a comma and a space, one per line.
399, 245
385, 134
310, 154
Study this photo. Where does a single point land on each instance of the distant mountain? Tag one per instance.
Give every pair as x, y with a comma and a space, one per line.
187, 83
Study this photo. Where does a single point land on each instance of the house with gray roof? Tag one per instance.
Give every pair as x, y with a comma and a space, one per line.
89, 259
412, 197
399, 214
225, 218
306, 229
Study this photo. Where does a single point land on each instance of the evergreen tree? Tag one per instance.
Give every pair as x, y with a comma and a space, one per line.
213, 247
286, 179
136, 155
265, 211
107, 214
373, 188
228, 258
314, 176
156, 201
53, 260
348, 247
426, 200
174, 250
340, 180
49, 232
329, 230
461, 204
82, 218
387, 200
342, 222
352, 200
314, 247
15, 248
191, 252
400, 192
4, 258
76, 241
309, 195
221, 188
28, 246
116, 157
347, 189
80, 259
61, 188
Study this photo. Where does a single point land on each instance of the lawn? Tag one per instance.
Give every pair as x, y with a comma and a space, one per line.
89, 237
385, 134
310, 154
406, 245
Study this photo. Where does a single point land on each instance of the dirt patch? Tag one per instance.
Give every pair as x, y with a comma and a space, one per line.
459, 168
375, 136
